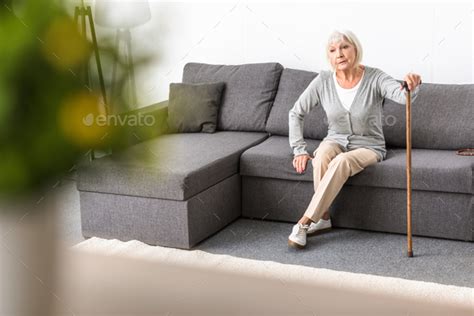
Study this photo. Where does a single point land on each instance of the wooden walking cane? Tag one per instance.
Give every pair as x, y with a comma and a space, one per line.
408, 137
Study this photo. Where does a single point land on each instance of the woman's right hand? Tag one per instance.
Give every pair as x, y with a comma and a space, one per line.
299, 162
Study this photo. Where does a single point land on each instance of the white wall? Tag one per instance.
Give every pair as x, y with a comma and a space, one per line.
434, 40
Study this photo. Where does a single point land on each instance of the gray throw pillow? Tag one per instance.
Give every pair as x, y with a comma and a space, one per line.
194, 107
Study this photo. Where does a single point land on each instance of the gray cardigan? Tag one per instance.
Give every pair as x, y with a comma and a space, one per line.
359, 127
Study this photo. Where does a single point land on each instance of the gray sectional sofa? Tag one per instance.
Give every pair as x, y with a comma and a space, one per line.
176, 190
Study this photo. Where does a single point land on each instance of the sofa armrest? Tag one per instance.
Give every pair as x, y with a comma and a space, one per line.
143, 124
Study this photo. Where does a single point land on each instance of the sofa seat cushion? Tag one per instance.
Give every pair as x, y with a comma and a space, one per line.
172, 166
432, 170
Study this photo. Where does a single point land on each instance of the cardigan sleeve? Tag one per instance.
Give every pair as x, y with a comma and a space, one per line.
306, 101
390, 88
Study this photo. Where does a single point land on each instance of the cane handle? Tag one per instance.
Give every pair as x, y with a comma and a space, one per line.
405, 85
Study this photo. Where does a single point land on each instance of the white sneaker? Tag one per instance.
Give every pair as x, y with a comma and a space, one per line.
321, 226
297, 237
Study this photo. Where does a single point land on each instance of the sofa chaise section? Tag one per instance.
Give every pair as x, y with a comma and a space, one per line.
173, 190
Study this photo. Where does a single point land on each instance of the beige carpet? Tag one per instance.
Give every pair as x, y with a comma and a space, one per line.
372, 294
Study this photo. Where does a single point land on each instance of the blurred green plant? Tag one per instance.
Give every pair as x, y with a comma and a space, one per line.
44, 105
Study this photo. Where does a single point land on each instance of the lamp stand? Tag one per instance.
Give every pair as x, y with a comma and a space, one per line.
124, 36
81, 13
82, 16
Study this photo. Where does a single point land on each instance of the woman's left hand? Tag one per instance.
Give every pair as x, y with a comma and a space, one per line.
413, 80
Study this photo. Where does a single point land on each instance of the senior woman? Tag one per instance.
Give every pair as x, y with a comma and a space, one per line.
351, 95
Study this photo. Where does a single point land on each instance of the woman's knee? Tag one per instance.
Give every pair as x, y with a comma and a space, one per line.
355, 161
343, 163
341, 158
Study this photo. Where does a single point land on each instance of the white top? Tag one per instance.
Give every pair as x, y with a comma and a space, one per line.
347, 95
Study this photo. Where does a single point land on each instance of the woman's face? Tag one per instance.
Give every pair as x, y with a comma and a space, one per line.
342, 55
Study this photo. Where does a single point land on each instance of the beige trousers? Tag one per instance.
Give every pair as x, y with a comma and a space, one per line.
331, 169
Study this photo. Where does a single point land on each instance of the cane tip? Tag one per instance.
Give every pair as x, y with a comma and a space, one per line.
410, 253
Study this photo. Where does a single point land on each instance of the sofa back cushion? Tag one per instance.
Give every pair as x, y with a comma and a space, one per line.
194, 107
249, 94
292, 84
442, 117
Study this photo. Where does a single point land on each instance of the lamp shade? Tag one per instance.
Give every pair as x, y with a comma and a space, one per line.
122, 13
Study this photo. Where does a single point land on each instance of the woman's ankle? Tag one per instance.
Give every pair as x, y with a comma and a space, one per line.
305, 220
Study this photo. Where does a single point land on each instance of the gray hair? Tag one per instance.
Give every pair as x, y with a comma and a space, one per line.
339, 35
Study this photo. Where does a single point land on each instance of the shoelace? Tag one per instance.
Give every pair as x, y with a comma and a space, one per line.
301, 230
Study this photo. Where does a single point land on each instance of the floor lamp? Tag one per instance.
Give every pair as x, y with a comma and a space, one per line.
83, 18
123, 15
